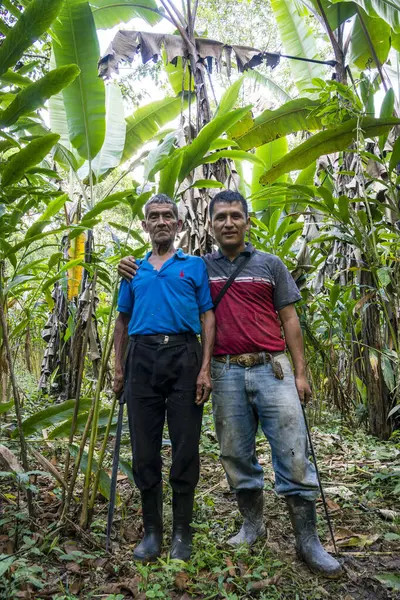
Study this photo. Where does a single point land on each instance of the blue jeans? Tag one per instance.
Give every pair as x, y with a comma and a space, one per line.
242, 398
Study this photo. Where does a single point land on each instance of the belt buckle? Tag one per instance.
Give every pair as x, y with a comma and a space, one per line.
166, 339
246, 360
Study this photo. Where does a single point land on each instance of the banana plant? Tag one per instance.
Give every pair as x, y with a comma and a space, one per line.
19, 172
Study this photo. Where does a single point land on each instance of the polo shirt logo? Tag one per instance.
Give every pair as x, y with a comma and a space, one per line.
181, 274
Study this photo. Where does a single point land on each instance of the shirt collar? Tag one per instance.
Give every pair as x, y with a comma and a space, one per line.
249, 249
178, 254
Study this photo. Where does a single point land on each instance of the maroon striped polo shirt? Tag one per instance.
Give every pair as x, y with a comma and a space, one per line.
247, 317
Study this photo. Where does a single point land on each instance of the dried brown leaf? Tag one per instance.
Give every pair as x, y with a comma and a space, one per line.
49, 467
231, 568
130, 585
8, 461
182, 581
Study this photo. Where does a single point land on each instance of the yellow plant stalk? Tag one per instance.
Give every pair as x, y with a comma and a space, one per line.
76, 250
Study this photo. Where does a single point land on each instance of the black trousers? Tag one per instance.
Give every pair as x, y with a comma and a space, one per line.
160, 378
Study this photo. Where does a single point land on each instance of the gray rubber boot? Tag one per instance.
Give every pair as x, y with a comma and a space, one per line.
250, 503
308, 547
149, 548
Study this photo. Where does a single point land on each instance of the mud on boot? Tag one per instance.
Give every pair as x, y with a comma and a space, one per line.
308, 546
251, 504
149, 548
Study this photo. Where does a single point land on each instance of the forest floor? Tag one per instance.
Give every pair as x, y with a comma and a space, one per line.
360, 476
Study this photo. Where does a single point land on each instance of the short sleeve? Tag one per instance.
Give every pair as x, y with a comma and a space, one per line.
285, 290
125, 298
203, 294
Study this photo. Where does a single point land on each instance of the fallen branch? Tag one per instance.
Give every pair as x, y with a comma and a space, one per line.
258, 586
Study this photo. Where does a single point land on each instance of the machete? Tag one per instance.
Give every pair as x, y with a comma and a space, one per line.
319, 480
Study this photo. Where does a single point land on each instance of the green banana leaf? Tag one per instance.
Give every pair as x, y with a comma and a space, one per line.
170, 173
12, 78
175, 75
388, 10
207, 184
230, 97
106, 204
52, 209
110, 154
360, 53
326, 142
298, 40
84, 100
64, 153
6, 406
199, 147
387, 110
146, 121
336, 14
63, 430
33, 22
296, 115
158, 157
232, 155
34, 95
31, 155
269, 153
108, 13
268, 84
51, 416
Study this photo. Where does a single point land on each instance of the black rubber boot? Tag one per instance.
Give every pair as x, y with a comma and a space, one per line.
182, 510
150, 547
308, 547
250, 503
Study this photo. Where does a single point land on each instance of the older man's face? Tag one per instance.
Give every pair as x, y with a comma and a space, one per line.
161, 224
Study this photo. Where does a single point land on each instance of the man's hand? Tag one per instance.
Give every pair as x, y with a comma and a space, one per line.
303, 388
118, 383
127, 267
203, 386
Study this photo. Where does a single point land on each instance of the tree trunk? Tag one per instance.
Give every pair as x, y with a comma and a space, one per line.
377, 391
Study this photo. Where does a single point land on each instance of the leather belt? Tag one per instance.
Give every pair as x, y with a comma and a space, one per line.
161, 339
252, 359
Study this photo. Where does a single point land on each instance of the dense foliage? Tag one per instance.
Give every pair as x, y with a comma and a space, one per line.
313, 147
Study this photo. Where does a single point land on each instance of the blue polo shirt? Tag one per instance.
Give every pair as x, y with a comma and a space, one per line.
167, 301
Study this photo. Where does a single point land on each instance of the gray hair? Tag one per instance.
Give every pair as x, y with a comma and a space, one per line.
160, 199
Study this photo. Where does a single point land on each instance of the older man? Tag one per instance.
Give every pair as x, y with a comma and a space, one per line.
162, 311
253, 381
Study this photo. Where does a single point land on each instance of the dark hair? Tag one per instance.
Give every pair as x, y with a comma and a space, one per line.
160, 199
228, 197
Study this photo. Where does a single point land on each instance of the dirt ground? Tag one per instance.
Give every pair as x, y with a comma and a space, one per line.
360, 477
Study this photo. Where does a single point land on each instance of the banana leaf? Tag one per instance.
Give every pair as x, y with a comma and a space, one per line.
332, 140
108, 13
360, 53
296, 115
31, 155
34, 95
388, 10
298, 40
57, 413
33, 22
146, 121
84, 100
110, 154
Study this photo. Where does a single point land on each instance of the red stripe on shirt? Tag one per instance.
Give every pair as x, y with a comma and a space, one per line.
246, 318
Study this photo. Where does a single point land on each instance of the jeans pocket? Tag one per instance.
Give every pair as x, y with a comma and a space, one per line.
218, 370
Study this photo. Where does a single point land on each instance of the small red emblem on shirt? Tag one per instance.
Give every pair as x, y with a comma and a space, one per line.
181, 274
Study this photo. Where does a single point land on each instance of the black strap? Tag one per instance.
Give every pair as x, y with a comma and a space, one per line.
231, 279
